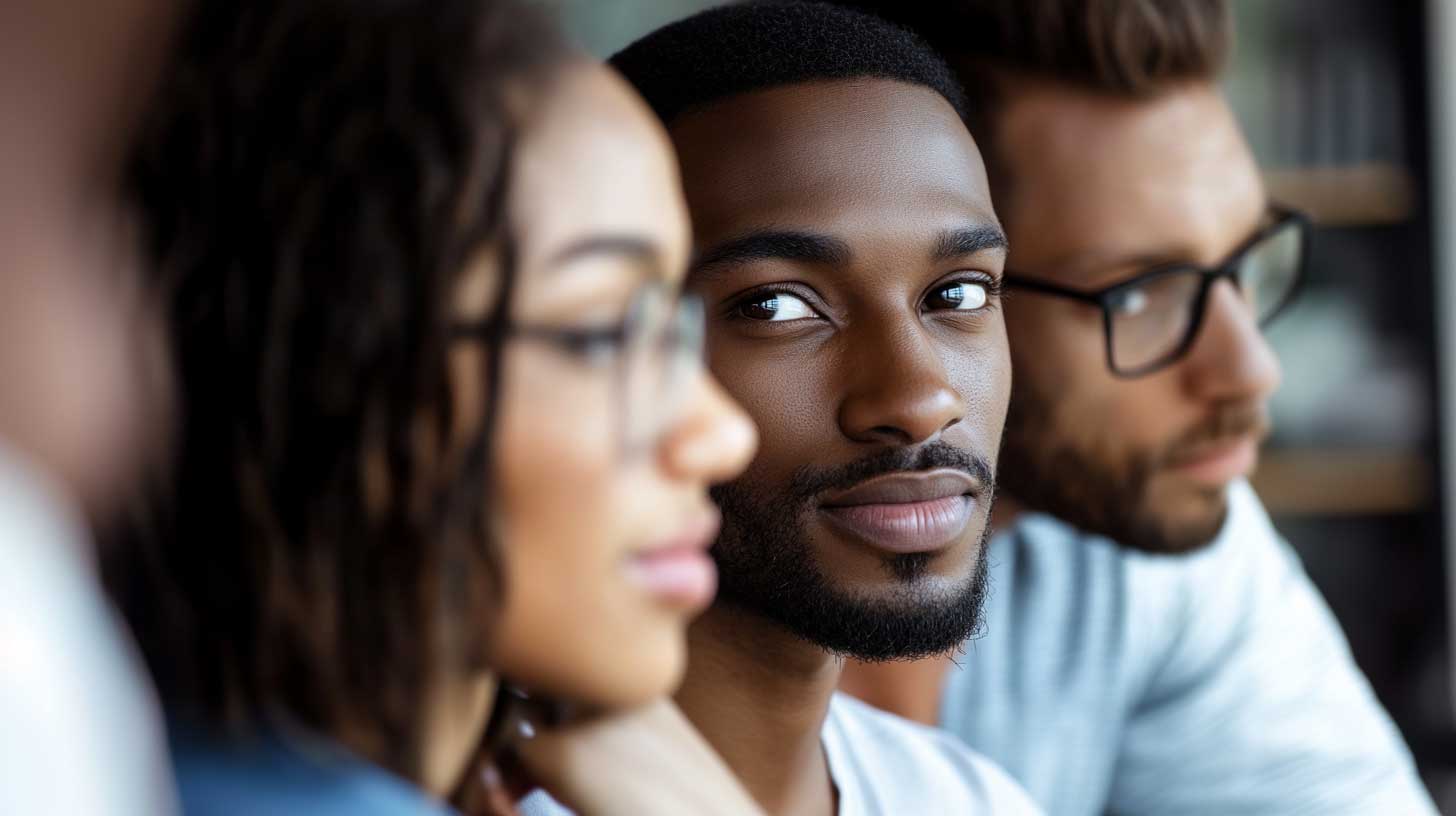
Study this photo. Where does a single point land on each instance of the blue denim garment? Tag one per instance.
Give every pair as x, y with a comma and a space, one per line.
292, 776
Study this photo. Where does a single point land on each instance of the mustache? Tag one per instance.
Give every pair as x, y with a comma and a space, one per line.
810, 481
1227, 422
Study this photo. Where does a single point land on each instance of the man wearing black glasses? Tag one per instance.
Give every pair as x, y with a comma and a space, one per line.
1145, 260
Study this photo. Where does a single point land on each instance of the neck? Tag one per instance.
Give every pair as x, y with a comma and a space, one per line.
759, 694
456, 717
1005, 511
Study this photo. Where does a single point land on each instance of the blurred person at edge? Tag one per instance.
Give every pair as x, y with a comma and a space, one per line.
79, 729
447, 432
1153, 646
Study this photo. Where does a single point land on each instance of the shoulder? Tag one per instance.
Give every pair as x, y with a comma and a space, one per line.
1247, 587
266, 775
41, 532
79, 728
1051, 565
540, 803
900, 766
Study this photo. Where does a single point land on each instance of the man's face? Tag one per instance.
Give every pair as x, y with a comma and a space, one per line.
850, 261
1097, 190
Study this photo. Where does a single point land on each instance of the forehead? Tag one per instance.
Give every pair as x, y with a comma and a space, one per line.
855, 157
1092, 175
593, 160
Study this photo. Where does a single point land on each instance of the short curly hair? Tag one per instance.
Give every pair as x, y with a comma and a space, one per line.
753, 46
313, 183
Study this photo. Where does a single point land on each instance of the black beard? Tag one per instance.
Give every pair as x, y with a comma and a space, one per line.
767, 567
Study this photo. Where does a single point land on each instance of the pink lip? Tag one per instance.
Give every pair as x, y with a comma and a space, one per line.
908, 527
901, 488
678, 571
1221, 464
906, 512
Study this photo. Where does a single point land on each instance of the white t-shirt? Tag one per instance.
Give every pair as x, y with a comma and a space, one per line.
884, 765
80, 733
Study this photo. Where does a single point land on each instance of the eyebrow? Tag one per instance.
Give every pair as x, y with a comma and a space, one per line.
775, 244
954, 243
632, 247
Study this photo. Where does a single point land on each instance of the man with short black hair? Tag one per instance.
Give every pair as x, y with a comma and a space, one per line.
850, 263
1146, 259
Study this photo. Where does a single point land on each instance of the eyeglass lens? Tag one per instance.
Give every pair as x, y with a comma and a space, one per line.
1270, 271
663, 353
1149, 321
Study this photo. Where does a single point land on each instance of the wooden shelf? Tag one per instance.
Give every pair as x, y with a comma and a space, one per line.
1322, 482
1371, 194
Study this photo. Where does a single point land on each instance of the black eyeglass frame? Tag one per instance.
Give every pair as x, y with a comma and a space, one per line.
567, 338
1103, 298
571, 340
686, 312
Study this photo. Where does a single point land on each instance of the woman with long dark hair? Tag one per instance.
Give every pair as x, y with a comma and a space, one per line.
445, 431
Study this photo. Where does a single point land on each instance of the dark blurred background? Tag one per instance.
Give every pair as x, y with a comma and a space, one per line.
1344, 103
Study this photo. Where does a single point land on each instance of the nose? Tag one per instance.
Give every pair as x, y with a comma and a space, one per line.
898, 393
1231, 360
713, 441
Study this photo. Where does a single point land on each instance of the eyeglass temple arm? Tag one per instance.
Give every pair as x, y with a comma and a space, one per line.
1047, 288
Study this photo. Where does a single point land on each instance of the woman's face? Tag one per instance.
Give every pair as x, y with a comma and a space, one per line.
601, 476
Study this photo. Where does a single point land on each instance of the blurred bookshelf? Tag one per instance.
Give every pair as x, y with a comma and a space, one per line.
1364, 194
1335, 482
1333, 95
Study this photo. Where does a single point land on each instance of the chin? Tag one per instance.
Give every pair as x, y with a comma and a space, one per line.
603, 671
632, 676
859, 568
1181, 525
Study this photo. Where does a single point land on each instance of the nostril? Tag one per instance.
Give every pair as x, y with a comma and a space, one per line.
890, 433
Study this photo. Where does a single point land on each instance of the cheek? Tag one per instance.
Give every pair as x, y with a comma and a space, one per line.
982, 375
555, 490
568, 511
1060, 339
789, 395
556, 460
1059, 362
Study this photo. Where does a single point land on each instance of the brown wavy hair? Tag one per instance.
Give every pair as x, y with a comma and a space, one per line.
1122, 48
314, 180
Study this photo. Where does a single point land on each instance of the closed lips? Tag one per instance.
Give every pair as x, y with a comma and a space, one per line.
902, 488
678, 570
905, 512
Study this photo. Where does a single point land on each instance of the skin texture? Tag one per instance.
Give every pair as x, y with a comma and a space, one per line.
878, 369
1173, 180
575, 506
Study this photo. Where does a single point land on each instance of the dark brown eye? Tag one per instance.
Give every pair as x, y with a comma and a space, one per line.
961, 296
776, 307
